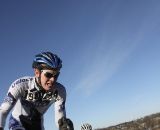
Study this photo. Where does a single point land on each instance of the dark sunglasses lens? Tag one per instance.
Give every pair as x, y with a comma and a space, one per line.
48, 75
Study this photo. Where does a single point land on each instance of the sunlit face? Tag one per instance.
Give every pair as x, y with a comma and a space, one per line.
48, 79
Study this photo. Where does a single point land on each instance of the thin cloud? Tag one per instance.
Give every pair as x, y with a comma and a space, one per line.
103, 66
107, 58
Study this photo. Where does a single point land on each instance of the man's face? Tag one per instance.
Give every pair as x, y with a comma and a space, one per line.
48, 79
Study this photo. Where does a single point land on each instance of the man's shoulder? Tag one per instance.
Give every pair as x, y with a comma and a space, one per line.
60, 87
59, 84
61, 91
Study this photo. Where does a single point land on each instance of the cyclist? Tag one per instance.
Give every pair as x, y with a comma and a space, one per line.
86, 126
30, 97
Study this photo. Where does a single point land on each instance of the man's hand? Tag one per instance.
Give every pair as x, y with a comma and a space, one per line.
65, 124
32, 121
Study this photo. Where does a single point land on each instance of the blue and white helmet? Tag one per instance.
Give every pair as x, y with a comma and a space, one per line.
48, 59
86, 126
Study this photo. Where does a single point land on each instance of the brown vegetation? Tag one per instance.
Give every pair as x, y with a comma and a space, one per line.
151, 122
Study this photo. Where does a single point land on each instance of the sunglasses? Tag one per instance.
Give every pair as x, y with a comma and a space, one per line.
49, 74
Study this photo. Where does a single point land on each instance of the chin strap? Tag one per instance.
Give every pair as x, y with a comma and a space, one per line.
38, 80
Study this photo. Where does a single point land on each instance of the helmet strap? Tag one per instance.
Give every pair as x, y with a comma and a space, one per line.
38, 79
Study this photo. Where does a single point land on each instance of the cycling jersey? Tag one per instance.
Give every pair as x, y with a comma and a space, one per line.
24, 94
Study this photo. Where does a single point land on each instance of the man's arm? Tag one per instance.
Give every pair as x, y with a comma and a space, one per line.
59, 111
5, 107
8, 103
60, 104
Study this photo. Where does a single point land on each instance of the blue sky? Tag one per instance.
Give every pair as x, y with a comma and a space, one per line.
109, 48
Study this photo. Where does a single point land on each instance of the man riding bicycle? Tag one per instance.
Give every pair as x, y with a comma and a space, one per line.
30, 97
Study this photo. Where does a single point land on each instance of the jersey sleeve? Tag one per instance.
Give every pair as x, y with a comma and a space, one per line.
60, 104
9, 101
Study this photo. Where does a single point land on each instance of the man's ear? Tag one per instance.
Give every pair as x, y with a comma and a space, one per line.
37, 72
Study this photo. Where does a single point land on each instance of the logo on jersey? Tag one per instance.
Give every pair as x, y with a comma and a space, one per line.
62, 106
21, 81
39, 98
9, 98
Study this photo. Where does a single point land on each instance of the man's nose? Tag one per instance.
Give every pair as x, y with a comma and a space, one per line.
52, 79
